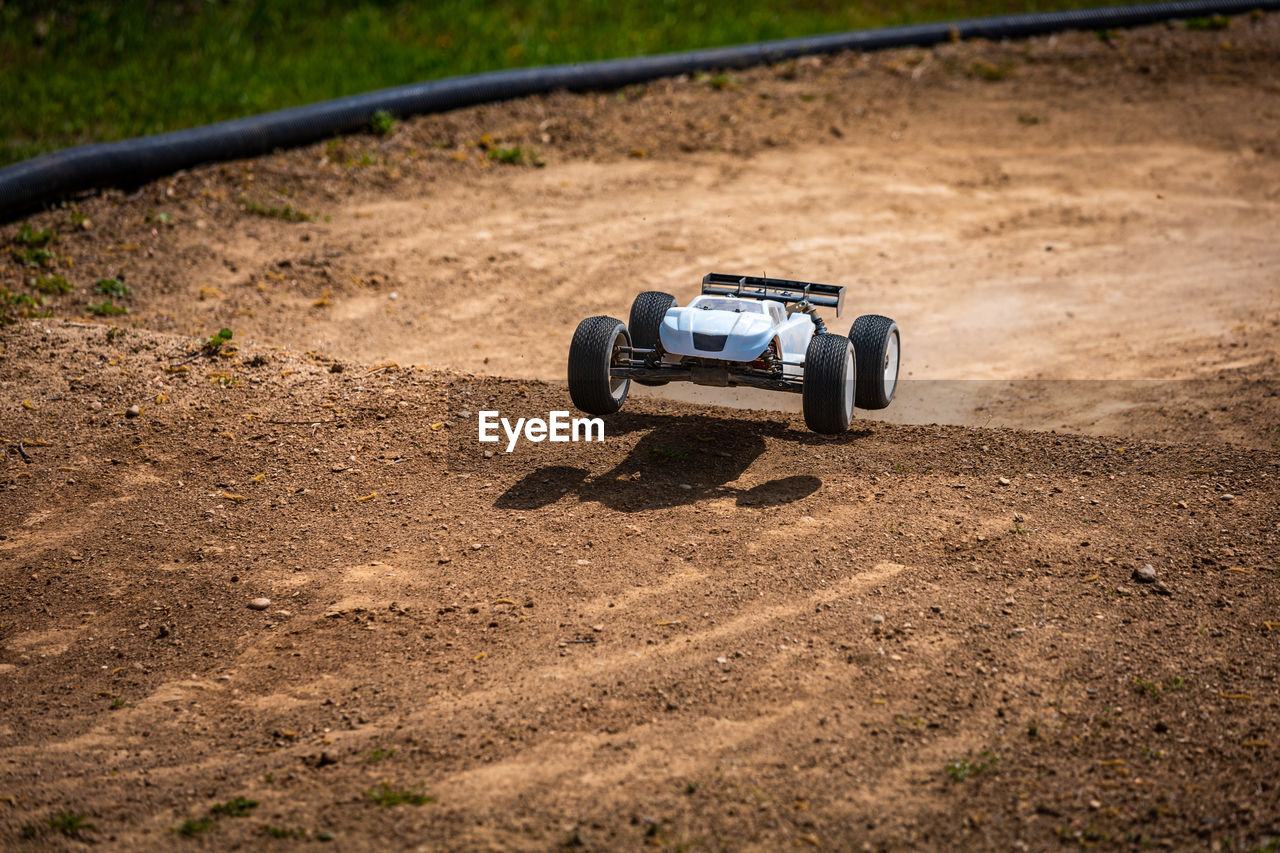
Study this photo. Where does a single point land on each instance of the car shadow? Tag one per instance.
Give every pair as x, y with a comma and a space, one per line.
679, 460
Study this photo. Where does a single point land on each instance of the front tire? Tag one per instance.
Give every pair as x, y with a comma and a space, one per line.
597, 345
877, 345
829, 381
645, 320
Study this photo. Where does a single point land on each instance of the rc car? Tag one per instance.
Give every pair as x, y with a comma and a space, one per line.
741, 330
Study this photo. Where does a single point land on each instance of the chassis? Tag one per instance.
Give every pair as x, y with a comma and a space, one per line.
740, 331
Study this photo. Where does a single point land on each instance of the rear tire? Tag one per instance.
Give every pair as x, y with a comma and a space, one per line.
645, 320
594, 349
829, 380
877, 345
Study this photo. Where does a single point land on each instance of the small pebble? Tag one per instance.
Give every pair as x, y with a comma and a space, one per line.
685, 486
259, 604
132, 412
1004, 481
722, 660
877, 618
96, 406
1145, 574
1228, 497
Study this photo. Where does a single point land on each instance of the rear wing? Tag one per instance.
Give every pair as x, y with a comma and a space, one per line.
780, 289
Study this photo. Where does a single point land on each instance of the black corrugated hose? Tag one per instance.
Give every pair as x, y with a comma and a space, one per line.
131, 162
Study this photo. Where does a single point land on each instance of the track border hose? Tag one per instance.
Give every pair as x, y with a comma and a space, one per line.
132, 162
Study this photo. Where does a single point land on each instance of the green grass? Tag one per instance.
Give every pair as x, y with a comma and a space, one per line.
28, 236
963, 768
69, 824
288, 212
1158, 688
193, 826
383, 123
17, 304
387, 796
81, 71
106, 308
235, 807
112, 287
34, 256
53, 285
515, 156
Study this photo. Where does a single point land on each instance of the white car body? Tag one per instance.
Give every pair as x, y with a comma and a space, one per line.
741, 331
728, 328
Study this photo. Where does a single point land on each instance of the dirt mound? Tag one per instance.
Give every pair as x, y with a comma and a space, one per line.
1084, 223
713, 627
274, 590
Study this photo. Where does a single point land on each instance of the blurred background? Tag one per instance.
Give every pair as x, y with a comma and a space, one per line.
75, 72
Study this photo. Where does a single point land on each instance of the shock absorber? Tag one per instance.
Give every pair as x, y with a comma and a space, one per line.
820, 328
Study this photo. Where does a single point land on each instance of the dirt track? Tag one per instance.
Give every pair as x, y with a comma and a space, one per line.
714, 630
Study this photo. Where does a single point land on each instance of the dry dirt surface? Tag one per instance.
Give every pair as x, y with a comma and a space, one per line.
1034, 606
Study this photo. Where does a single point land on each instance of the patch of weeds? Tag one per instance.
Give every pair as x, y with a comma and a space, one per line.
1212, 22
28, 236
114, 334
366, 159
112, 287
235, 807
510, 156
1029, 119
383, 123
992, 71
117, 704
153, 218
287, 213
1158, 688
387, 796
281, 832
670, 454
1105, 36
106, 308
1033, 729
963, 768
54, 285
380, 754
33, 256
14, 305
193, 826
718, 81
213, 344
69, 824
899, 468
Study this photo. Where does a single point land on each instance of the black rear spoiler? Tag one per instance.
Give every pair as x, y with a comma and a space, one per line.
780, 289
